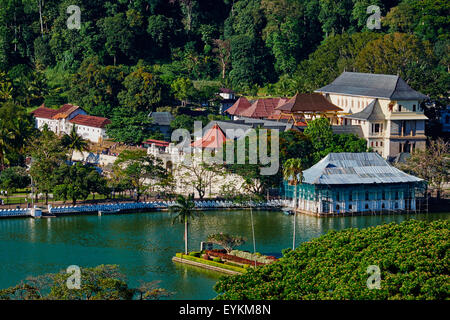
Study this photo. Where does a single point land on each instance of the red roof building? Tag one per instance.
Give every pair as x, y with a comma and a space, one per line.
214, 138
157, 143
44, 112
90, 121
238, 107
63, 119
261, 108
308, 102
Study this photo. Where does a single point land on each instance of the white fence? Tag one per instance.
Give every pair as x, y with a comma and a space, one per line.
161, 205
22, 212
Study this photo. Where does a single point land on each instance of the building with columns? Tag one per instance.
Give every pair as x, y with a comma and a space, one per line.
385, 106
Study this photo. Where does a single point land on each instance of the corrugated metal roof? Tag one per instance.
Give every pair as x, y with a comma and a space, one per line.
372, 85
355, 168
161, 118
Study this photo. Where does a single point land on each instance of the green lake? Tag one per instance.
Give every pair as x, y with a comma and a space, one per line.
142, 244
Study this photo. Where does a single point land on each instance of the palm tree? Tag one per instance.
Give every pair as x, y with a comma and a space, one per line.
184, 210
293, 173
74, 142
6, 137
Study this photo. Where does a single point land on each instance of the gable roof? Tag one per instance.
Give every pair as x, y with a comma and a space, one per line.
355, 168
90, 121
240, 105
373, 112
162, 118
214, 138
372, 85
261, 108
44, 112
308, 102
65, 111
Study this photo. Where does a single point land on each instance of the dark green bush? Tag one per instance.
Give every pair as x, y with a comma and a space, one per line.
413, 257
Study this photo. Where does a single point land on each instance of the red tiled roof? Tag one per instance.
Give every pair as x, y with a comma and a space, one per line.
226, 90
213, 139
90, 121
158, 143
61, 113
239, 106
44, 112
308, 102
65, 111
261, 108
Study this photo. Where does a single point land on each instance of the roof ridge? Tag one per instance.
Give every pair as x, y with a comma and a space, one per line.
395, 87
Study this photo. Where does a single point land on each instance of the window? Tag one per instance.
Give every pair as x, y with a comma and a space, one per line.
349, 207
382, 206
414, 107
383, 195
367, 195
381, 143
350, 196
367, 206
396, 195
399, 108
337, 197
396, 205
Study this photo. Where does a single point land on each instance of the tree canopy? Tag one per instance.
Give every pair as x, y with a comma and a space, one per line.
412, 258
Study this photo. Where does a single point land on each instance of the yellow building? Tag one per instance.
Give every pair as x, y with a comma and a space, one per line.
385, 106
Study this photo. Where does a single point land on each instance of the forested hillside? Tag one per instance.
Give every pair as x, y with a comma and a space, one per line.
130, 57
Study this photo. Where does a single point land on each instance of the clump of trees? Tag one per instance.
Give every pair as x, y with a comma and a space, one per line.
412, 257
309, 147
431, 164
228, 242
130, 58
104, 282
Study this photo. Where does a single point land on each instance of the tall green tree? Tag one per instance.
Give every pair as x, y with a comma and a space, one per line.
74, 142
139, 168
47, 154
407, 56
293, 172
184, 211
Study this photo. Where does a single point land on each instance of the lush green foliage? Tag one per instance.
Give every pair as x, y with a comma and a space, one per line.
413, 257
136, 167
131, 57
228, 242
103, 282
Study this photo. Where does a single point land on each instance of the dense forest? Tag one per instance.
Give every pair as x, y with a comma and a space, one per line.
130, 57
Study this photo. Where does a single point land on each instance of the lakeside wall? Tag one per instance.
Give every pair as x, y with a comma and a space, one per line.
139, 206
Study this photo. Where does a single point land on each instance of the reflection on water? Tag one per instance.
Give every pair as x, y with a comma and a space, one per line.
143, 244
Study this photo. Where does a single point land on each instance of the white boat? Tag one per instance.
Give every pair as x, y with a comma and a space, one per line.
102, 212
287, 211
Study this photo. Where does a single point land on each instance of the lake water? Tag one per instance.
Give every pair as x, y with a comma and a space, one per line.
143, 244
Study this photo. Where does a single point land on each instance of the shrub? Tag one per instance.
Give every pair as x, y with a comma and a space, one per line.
212, 263
195, 254
217, 259
232, 258
413, 257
